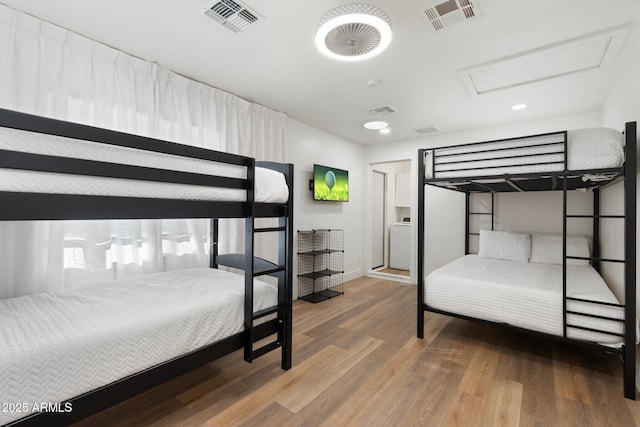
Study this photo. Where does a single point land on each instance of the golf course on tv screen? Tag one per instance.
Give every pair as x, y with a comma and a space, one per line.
330, 184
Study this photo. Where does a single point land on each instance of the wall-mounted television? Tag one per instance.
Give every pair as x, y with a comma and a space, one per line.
330, 184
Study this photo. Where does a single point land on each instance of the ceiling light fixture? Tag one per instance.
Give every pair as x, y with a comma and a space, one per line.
376, 125
353, 32
385, 131
519, 107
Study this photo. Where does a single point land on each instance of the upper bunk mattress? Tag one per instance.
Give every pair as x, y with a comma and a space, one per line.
270, 185
54, 346
525, 295
587, 149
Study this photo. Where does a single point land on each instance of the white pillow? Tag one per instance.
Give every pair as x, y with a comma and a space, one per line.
505, 245
547, 249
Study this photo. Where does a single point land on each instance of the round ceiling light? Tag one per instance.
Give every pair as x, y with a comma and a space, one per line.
353, 32
376, 125
519, 107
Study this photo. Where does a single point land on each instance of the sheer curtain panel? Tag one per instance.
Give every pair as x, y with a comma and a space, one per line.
49, 71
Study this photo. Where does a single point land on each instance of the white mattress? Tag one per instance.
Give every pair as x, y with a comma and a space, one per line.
525, 295
271, 186
596, 148
54, 346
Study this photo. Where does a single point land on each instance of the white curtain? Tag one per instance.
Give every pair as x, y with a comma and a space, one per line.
49, 71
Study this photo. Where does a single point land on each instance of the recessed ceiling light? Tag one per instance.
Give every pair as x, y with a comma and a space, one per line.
385, 131
375, 125
353, 32
519, 107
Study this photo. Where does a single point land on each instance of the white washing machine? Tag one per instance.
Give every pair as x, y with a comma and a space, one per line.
399, 245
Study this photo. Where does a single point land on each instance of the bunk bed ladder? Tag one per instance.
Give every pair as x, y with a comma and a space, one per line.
254, 267
264, 268
595, 259
283, 271
628, 351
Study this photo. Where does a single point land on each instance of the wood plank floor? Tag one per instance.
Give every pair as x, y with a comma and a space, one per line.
357, 362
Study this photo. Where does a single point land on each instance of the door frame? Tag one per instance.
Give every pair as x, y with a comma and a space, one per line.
384, 218
411, 279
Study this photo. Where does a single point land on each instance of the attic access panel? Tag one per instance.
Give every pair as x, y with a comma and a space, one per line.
595, 51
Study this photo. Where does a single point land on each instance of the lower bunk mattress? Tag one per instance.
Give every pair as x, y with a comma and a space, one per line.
55, 346
526, 295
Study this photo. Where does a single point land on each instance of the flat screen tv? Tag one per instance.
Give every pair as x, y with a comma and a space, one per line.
330, 184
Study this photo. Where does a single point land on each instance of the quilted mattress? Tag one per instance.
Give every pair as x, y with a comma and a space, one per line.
271, 186
54, 346
525, 295
596, 148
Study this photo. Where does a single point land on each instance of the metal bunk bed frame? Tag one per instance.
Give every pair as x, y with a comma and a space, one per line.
39, 206
564, 180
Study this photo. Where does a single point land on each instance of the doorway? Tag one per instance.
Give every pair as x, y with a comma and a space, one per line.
391, 219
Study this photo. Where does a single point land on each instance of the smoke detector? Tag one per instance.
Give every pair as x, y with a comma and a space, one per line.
353, 32
443, 14
233, 15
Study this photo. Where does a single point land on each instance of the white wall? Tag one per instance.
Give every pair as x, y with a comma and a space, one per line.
307, 145
531, 212
622, 105
444, 228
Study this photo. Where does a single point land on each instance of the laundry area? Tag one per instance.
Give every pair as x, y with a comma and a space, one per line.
399, 238
391, 225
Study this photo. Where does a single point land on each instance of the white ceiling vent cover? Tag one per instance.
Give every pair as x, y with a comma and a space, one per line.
427, 130
443, 14
233, 15
383, 110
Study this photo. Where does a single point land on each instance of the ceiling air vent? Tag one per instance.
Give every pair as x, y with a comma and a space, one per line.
385, 109
233, 15
427, 130
443, 14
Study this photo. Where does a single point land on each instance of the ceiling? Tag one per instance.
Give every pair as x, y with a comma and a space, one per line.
276, 64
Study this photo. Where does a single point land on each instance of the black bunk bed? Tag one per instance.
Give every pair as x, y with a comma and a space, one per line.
276, 320
540, 163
